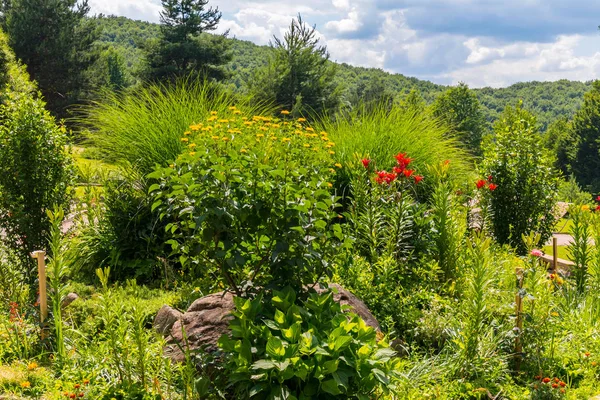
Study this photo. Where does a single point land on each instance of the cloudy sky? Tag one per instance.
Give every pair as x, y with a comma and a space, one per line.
480, 42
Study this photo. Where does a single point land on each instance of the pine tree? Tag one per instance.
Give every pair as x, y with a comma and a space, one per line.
299, 76
586, 130
183, 47
54, 39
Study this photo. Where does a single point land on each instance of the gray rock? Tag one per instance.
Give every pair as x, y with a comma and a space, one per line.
165, 318
207, 319
71, 297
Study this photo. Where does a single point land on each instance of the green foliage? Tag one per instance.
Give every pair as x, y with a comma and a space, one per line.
525, 182
298, 78
460, 109
143, 127
35, 167
562, 142
304, 349
250, 203
586, 130
580, 248
57, 54
181, 48
382, 134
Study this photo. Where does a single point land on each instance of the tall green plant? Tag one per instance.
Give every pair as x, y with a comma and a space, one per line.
382, 134
142, 128
522, 196
57, 272
580, 248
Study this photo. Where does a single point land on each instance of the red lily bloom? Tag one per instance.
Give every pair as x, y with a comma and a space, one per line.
598, 208
408, 172
490, 178
366, 162
492, 186
480, 183
398, 170
598, 198
400, 157
418, 178
390, 177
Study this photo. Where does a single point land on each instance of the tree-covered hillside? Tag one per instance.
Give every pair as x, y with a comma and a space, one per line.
548, 100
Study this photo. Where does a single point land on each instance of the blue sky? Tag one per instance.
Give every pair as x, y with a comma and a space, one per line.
480, 42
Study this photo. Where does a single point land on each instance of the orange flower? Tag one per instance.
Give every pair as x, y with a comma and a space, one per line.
562, 384
546, 380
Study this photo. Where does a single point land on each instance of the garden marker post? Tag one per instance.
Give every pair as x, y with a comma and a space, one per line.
519, 318
41, 262
554, 254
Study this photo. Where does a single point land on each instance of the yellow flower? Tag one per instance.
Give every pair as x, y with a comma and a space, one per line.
287, 139
554, 314
186, 133
217, 126
310, 129
306, 145
248, 123
330, 144
298, 132
285, 112
26, 384
243, 151
331, 152
196, 127
273, 137
192, 153
237, 112
211, 119
276, 125
232, 108
172, 166
214, 137
185, 139
225, 139
192, 145
329, 184
323, 133
213, 113
301, 119
338, 165
259, 135
585, 207
31, 366
262, 128
325, 139
224, 121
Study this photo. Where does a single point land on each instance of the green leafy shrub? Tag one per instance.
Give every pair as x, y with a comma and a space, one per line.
521, 193
305, 350
35, 170
250, 202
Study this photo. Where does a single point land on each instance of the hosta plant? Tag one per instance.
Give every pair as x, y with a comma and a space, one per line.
311, 349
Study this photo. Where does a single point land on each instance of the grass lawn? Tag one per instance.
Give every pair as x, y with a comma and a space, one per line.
562, 252
563, 225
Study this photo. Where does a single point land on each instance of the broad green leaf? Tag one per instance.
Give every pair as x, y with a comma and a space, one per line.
330, 386
275, 347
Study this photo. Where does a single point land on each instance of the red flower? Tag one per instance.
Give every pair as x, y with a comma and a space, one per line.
490, 178
546, 380
400, 157
555, 385
537, 377
562, 384
446, 162
77, 386
598, 208
408, 172
390, 177
492, 186
418, 178
398, 170
72, 395
366, 162
556, 380
598, 198
480, 183
80, 394
402, 160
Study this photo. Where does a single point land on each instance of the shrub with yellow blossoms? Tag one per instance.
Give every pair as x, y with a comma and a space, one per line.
251, 201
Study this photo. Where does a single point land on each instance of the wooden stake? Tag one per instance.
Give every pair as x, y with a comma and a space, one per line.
554, 254
41, 262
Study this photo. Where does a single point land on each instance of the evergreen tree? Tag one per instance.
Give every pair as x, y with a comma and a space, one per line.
182, 47
299, 76
54, 39
586, 129
562, 142
460, 109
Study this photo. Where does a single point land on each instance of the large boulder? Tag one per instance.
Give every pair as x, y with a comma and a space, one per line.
165, 319
207, 319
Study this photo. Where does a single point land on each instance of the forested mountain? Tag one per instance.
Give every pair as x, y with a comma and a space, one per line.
548, 100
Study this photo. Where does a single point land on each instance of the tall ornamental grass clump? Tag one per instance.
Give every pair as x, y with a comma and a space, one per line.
142, 128
383, 133
520, 185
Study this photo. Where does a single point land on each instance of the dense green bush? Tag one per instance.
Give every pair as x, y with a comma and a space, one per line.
520, 185
250, 202
305, 350
35, 167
